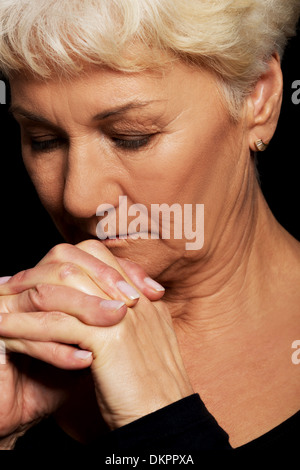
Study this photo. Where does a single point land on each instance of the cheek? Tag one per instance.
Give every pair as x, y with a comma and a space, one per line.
47, 178
188, 166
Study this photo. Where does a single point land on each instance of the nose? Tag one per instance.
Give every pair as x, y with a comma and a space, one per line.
90, 180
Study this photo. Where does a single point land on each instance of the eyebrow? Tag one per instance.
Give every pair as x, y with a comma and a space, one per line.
16, 109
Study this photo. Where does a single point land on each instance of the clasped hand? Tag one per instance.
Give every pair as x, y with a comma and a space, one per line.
75, 309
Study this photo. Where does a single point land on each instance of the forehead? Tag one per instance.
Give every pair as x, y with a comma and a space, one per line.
152, 97
114, 87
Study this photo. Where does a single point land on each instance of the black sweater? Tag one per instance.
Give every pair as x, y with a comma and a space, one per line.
183, 428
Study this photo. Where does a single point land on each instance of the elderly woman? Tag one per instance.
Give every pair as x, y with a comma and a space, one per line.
151, 102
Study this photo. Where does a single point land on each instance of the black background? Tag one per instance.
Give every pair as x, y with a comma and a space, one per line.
27, 232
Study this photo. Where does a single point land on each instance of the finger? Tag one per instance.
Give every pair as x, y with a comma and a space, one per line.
55, 327
53, 273
148, 286
89, 309
72, 266
99, 252
132, 272
59, 355
71, 275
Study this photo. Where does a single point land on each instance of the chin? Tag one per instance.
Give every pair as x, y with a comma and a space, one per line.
154, 256
151, 255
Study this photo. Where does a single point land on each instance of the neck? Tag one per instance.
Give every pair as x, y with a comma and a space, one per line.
232, 281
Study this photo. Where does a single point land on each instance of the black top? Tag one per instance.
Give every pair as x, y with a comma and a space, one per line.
185, 427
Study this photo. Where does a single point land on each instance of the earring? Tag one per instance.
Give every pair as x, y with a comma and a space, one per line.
260, 145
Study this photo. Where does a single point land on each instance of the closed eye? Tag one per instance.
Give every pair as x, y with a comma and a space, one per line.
132, 143
46, 145
123, 142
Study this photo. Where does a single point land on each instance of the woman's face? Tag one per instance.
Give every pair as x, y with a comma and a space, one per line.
157, 138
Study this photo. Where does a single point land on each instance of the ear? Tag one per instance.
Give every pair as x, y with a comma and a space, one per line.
264, 104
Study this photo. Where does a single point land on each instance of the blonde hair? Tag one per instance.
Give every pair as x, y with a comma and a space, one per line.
233, 38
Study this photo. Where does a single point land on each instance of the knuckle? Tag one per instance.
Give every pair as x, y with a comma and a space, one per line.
43, 320
55, 351
133, 270
68, 270
21, 277
86, 318
93, 246
59, 251
39, 295
47, 319
107, 273
57, 317
135, 267
110, 275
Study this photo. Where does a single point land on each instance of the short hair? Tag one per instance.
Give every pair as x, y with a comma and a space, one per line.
235, 39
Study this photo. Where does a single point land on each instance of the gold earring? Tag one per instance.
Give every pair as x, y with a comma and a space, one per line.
260, 145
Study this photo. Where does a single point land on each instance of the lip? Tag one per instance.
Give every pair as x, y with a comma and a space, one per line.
116, 237
119, 239
126, 235
116, 241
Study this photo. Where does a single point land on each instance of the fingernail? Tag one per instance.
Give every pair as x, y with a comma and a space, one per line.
153, 284
128, 290
113, 305
81, 354
4, 279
